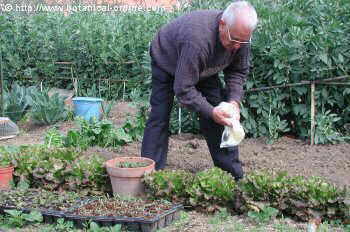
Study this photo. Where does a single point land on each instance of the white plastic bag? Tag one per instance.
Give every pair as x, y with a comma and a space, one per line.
231, 136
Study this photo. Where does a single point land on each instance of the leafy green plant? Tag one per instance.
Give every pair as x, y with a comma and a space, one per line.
75, 139
60, 226
16, 218
58, 168
303, 198
5, 155
135, 127
53, 138
4, 162
276, 126
325, 129
266, 186
17, 101
263, 216
106, 109
47, 110
211, 188
94, 227
96, 133
169, 184
63, 226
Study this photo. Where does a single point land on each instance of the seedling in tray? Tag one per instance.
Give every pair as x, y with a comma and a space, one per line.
128, 164
37, 199
134, 214
132, 207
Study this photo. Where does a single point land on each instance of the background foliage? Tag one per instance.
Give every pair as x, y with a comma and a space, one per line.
295, 41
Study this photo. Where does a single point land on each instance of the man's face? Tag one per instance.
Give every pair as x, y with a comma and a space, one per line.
234, 37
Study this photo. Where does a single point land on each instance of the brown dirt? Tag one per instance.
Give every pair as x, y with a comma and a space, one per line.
189, 152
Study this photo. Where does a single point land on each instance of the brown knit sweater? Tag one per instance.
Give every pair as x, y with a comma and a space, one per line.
189, 49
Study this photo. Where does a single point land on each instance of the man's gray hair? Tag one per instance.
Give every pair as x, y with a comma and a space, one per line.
229, 15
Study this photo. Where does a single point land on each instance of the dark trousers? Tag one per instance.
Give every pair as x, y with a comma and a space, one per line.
156, 134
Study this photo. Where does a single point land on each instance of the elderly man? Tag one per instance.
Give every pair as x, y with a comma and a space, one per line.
187, 54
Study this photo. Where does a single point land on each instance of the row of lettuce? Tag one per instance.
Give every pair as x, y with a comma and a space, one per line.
295, 41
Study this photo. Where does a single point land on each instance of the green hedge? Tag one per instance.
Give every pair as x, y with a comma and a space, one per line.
295, 41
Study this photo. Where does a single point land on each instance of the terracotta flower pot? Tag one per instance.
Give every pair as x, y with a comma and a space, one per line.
6, 175
128, 181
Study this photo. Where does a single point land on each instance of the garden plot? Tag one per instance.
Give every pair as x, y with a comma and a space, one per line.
189, 152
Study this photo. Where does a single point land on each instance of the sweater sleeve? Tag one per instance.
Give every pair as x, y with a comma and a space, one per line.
236, 73
189, 64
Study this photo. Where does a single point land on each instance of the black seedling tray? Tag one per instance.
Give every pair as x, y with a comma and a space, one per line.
49, 216
129, 223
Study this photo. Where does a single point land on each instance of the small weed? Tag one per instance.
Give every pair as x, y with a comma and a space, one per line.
263, 216
63, 226
53, 138
60, 226
106, 109
283, 227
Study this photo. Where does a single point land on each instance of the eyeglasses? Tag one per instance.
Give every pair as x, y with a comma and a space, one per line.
237, 41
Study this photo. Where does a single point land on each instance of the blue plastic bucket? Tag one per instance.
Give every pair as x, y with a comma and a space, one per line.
87, 107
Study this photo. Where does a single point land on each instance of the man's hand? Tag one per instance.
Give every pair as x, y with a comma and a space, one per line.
221, 117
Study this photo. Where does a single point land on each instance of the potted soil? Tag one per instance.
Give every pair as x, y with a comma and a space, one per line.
126, 174
6, 173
